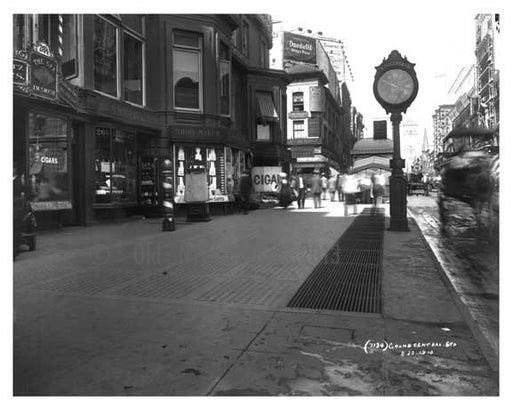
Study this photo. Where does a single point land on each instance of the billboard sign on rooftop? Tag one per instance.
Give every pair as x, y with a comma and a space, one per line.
299, 48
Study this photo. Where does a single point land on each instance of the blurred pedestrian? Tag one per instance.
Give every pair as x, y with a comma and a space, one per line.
245, 188
316, 189
378, 187
285, 191
350, 190
332, 186
300, 187
339, 187
324, 186
365, 188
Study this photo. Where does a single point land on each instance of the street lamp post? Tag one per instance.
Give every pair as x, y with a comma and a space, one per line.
395, 87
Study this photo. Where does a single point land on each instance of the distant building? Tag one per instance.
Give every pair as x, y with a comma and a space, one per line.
319, 109
441, 126
488, 76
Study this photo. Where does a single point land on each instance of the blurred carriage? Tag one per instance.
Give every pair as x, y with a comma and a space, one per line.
415, 183
469, 170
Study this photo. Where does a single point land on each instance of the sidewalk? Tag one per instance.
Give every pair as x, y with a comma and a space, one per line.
130, 310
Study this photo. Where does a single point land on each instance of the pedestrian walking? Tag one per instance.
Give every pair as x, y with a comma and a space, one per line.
300, 187
316, 189
332, 187
324, 186
339, 187
285, 191
378, 187
245, 189
350, 190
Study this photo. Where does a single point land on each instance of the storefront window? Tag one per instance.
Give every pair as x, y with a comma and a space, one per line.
48, 158
210, 158
115, 166
105, 57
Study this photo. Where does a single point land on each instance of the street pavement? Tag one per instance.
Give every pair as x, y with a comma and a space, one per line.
127, 310
469, 256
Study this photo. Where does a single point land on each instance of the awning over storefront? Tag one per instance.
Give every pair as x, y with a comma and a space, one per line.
265, 106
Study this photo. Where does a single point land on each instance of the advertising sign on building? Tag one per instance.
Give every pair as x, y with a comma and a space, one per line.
316, 99
265, 179
299, 48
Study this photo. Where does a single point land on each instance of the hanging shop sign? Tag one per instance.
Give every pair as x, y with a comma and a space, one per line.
299, 48
36, 72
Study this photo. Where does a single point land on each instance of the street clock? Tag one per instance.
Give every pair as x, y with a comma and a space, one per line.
395, 86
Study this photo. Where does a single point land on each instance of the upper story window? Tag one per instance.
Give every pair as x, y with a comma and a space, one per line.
119, 59
133, 69
187, 73
224, 78
263, 54
105, 57
31, 28
245, 38
298, 129
298, 101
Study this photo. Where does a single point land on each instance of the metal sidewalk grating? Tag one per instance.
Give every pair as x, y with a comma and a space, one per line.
348, 278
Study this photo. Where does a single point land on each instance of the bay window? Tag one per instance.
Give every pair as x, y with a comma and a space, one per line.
224, 78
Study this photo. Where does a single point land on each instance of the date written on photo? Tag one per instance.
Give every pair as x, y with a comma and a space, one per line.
407, 349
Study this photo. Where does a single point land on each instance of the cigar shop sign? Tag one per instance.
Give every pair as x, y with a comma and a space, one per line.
266, 179
35, 72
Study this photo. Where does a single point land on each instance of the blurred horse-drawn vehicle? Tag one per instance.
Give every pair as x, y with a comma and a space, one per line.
469, 170
416, 183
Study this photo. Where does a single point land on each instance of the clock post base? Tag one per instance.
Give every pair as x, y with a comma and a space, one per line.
398, 203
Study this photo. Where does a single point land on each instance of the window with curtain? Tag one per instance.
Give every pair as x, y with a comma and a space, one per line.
187, 75
298, 129
298, 101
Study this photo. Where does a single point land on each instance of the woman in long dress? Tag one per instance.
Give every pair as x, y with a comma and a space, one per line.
285, 193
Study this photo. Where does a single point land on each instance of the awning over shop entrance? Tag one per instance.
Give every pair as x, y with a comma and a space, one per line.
265, 107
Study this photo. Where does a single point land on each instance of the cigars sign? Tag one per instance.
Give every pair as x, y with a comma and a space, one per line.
299, 48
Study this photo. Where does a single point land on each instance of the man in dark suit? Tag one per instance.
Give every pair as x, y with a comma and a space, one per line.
300, 186
245, 191
316, 189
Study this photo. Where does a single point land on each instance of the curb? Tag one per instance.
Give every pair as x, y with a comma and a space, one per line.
488, 352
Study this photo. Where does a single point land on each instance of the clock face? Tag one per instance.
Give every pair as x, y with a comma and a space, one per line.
395, 86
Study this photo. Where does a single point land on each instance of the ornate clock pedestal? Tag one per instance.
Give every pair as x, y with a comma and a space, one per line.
397, 182
395, 87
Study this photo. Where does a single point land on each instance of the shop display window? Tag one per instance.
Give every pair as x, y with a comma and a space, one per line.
210, 158
48, 158
115, 166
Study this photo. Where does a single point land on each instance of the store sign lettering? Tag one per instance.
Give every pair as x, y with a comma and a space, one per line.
19, 72
49, 160
44, 76
266, 179
299, 48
